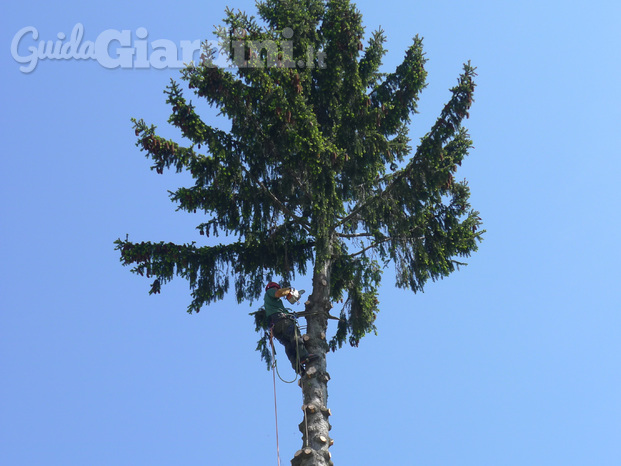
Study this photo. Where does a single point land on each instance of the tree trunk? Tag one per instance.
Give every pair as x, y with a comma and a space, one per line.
315, 425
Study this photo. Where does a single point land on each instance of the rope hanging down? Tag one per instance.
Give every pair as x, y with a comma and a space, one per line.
274, 372
275, 408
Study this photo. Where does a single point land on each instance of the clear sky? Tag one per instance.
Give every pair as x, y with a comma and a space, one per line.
514, 360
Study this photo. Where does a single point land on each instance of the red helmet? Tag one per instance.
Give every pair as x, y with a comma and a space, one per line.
272, 285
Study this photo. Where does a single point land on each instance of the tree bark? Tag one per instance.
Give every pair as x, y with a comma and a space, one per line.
315, 425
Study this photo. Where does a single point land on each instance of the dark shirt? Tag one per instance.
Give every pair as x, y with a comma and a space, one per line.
272, 304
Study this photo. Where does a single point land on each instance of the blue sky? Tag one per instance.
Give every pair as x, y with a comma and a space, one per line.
514, 360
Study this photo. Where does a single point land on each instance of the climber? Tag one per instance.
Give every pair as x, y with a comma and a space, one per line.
284, 326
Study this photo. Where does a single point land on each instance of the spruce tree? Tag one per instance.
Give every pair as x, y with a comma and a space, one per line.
317, 175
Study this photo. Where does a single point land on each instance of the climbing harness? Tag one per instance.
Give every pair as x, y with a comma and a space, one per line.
275, 363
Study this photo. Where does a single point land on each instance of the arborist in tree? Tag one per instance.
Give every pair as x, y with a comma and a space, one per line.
284, 326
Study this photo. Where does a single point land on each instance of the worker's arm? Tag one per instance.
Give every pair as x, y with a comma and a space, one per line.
282, 292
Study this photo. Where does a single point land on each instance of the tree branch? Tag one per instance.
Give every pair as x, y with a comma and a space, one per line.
377, 243
445, 127
353, 235
370, 246
277, 201
369, 199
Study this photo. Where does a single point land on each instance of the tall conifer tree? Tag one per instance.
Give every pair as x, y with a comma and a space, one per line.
315, 176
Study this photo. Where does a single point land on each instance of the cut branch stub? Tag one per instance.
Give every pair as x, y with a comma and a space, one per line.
304, 451
311, 408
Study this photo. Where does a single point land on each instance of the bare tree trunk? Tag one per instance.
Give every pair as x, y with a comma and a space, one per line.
315, 425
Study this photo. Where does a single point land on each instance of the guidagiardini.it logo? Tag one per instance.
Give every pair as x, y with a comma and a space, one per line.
114, 49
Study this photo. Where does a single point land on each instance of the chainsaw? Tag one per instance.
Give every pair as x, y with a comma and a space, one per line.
294, 295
